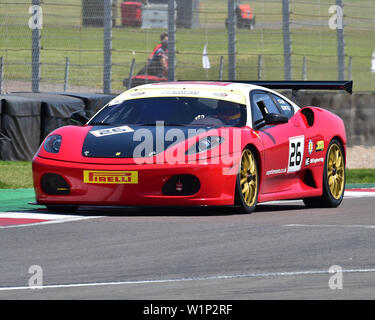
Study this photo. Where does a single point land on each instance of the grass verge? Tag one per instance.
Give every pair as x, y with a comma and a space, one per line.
18, 175
360, 176
15, 175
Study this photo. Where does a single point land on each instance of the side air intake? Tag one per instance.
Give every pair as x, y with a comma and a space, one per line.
309, 115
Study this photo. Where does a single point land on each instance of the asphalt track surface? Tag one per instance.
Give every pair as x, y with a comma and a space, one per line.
281, 251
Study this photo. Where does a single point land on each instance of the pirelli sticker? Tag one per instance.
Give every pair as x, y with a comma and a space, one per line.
110, 177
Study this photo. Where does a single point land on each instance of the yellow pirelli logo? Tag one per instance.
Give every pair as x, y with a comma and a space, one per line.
110, 177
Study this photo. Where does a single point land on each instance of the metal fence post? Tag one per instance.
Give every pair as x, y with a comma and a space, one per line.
304, 69
66, 78
287, 41
231, 40
260, 67
107, 64
35, 53
221, 68
171, 41
341, 43
1, 74
350, 68
131, 72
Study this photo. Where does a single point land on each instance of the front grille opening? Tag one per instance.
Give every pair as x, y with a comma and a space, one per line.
54, 184
181, 185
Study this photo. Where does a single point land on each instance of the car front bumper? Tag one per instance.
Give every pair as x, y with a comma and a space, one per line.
216, 184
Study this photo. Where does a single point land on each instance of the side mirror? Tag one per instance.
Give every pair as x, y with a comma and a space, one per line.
271, 118
79, 117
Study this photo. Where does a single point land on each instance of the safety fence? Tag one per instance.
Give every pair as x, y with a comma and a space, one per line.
72, 45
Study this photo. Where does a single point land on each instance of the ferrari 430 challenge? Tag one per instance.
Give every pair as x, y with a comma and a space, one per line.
196, 143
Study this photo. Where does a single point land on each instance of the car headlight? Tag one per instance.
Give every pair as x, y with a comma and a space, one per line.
53, 143
205, 144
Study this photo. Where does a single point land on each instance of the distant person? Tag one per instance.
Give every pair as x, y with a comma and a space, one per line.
157, 61
158, 65
163, 37
229, 112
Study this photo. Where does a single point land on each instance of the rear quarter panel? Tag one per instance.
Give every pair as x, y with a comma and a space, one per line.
326, 127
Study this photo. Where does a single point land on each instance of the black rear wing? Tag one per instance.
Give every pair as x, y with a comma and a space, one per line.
295, 86
304, 85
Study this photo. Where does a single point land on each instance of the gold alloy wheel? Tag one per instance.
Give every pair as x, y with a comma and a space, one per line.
248, 178
336, 171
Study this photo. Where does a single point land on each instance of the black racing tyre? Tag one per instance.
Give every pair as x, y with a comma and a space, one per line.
334, 178
247, 182
62, 208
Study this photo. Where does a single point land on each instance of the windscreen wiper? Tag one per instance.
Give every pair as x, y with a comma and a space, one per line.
164, 124
174, 125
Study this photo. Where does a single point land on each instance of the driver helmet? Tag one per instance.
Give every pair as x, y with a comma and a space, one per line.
228, 112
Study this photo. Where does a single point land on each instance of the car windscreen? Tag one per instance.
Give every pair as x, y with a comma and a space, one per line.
184, 111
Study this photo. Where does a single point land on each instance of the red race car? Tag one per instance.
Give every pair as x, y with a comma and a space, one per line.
196, 143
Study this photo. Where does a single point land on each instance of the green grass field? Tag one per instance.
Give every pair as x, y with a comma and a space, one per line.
63, 36
18, 175
15, 175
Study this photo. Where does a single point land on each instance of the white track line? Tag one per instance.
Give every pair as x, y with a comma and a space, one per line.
52, 218
208, 278
358, 194
331, 226
43, 216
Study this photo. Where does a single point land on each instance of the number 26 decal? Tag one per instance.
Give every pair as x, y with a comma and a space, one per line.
296, 148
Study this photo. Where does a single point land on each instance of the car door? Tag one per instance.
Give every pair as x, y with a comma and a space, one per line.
283, 143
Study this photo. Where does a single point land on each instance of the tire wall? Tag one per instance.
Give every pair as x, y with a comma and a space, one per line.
27, 118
